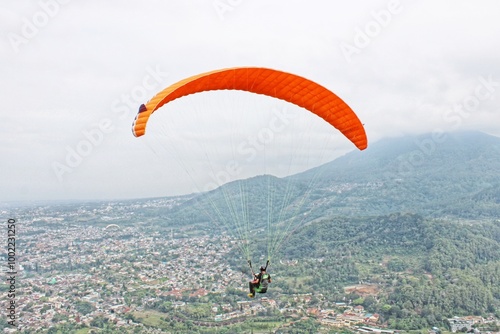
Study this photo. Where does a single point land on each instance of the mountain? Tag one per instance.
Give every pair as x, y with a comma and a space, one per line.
455, 174
252, 201
452, 175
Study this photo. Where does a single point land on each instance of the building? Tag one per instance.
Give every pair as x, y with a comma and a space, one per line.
457, 324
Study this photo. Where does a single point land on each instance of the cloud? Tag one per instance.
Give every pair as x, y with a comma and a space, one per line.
68, 66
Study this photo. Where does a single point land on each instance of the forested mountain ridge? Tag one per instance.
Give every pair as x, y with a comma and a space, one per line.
453, 175
424, 270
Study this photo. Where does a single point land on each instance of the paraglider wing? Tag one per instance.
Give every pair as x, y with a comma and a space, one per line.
285, 86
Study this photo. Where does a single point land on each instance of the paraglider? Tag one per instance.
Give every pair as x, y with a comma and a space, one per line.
285, 86
260, 281
273, 83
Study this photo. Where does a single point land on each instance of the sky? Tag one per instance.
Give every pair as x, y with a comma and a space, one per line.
74, 74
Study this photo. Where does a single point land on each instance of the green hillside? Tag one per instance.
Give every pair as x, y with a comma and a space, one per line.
416, 218
423, 270
457, 175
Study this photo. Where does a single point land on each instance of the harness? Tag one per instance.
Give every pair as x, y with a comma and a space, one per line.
263, 283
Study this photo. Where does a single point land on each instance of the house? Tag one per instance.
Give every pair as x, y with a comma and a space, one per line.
457, 324
313, 311
358, 309
332, 321
327, 313
371, 319
244, 305
365, 329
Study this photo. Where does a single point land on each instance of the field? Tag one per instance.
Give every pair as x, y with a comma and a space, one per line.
362, 289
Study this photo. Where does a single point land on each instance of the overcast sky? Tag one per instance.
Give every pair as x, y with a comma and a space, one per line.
73, 74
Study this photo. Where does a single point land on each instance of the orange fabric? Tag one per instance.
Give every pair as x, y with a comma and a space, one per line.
289, 87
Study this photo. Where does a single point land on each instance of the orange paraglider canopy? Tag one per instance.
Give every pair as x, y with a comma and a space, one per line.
285, 86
